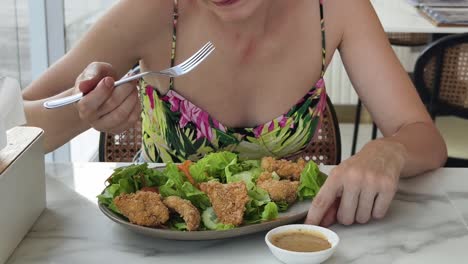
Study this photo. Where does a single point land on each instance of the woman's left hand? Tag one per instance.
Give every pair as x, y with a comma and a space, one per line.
361, 187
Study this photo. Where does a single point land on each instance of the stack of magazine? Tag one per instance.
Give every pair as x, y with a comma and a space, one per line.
444, 12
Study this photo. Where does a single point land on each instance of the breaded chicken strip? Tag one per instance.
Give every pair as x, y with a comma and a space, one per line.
186, 209
143, 208
228, 200
284, 190
284, 168
265, 176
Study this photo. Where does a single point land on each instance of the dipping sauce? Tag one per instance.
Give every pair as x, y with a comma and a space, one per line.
301, 241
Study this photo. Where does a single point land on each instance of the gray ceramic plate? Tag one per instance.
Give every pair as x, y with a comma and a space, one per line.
295, 213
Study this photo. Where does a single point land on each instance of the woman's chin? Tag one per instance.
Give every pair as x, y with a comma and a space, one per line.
233, 18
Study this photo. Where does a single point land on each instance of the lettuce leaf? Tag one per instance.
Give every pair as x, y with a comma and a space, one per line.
178, 185
176, 179
252, 213
259, 196
270, 212
127, 186
109, 193
198, 198
258, 212
235, 167
212, 166
245, 177
254, 209
154, 177
198, 173
140, 173
244, 171
169, 189
311, 181
174, 175
282, 206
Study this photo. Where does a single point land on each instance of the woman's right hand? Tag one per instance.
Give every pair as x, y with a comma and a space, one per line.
105, 108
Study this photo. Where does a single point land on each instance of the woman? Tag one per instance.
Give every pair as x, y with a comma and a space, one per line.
265, 75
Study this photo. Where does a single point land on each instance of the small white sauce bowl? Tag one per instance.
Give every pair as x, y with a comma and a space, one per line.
292, 257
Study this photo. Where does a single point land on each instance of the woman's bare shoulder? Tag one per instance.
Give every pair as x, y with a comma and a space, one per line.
127, 29
345, 17
353, 15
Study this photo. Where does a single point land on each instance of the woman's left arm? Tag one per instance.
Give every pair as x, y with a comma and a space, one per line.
366, 183
387, 91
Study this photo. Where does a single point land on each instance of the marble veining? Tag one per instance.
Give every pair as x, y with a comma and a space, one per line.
456, 187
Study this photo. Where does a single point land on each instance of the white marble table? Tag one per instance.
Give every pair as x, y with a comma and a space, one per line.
398, 16
427, 223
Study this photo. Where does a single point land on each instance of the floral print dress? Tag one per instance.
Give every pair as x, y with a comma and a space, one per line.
174, 129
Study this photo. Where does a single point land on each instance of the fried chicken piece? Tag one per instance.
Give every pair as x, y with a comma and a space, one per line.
269, 164
284, 168
186, 209
143, 208
228, 200
284, 190
265, 176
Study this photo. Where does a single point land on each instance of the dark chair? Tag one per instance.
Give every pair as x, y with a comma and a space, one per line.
441, 78
120, 147
409, 39
325, 149
396, 39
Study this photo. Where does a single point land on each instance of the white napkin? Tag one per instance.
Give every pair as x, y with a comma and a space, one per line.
11, 107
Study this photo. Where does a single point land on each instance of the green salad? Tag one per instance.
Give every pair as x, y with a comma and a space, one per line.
186, 181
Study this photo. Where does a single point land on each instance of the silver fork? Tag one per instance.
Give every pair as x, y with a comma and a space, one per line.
176, 71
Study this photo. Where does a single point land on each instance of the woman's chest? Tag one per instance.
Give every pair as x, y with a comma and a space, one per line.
250, 94
247, 83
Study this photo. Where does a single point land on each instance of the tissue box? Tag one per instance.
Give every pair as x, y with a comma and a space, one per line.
11, 107
22, 186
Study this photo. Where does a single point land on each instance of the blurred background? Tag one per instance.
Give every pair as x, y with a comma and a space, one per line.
37, 33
